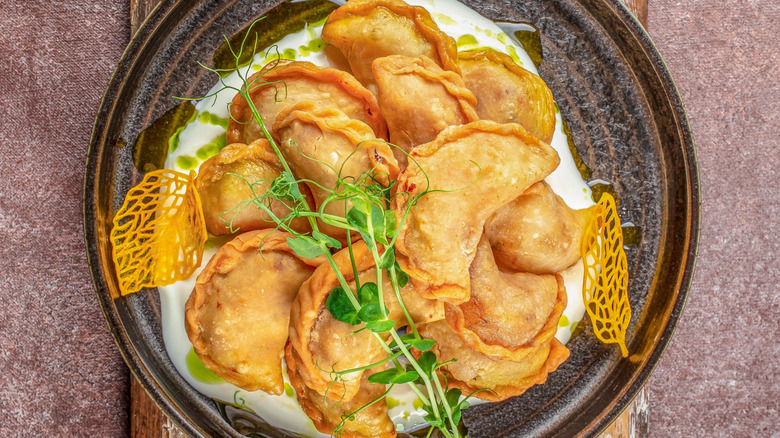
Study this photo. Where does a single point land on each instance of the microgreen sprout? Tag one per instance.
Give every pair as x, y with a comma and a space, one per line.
367, 214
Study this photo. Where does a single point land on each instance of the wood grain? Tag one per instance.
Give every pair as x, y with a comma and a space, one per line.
147, 421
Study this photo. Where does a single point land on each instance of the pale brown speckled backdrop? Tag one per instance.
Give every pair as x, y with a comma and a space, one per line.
60, 374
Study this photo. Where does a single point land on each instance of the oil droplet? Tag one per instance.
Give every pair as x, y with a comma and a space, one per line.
186, 162
513, 54
287, 18
120, 142
585, 171
213, 119
391, 402
598, 187
467, 40
445, 19
316, 45
632, 235
154, 142
289, 54
528, 36
288, 390
199, 371
212, 148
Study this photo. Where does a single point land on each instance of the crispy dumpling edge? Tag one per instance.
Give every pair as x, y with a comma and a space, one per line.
240, 115
306, 310
456, 320
314, 413
507, 62
445, 45
263, 240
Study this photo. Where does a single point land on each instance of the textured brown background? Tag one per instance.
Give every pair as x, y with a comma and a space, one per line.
60, 374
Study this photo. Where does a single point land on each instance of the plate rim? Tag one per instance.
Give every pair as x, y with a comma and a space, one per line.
169, 407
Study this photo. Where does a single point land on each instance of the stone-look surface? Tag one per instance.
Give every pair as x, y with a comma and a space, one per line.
720, 377
61, 375
60, 372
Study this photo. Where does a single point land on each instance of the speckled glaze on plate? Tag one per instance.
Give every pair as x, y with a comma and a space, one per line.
627, 122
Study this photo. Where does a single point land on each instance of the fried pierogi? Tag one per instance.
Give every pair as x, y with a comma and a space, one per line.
282, 84
470, 171
508, 93
323, 343
474, 371
509, 315
537, 232
364, 30
323, 145
229, 182
418, 100
327, 414
237, 315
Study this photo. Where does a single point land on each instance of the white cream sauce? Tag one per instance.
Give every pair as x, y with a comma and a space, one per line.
283, 411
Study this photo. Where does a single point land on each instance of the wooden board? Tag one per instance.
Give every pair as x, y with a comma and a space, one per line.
147, 421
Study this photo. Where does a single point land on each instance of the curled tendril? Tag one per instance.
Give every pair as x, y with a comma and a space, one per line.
605, 284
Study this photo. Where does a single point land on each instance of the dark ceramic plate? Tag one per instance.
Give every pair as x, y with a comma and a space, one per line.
627, 122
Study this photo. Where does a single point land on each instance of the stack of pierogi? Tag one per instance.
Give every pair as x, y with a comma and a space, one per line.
483, 247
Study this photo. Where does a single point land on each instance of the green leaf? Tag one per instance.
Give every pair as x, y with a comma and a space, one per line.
390, 224
305, 247
359, 220
378, 224
427, 361
403, 277
383, 377
340, 306
409, 376
368, 293
361, 205
453, 396
327, 240
422, 344
370, 312
380, 326
388, 259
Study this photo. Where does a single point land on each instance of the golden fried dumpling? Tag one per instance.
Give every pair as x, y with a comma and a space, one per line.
237, 315
323, 343
323, 144
418, 100
509, 315
474, 371
537, 232
327, 414
475, 169
229, 181
282, 84
508, 93
364, 30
